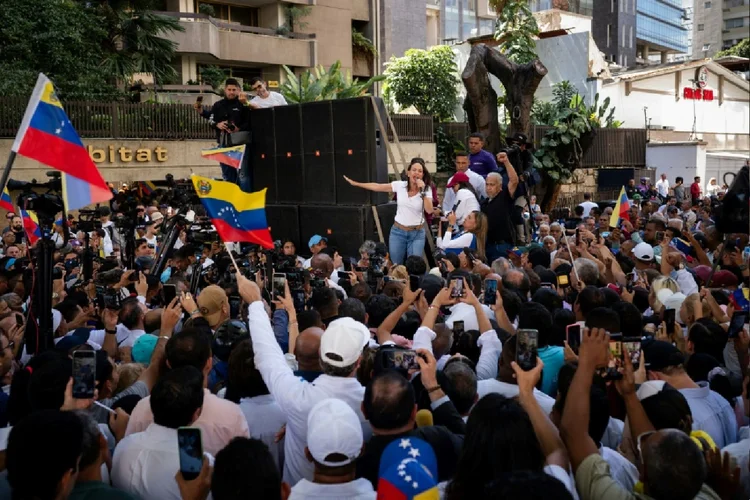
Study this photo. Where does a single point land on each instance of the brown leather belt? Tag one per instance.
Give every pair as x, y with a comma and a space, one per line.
406, 228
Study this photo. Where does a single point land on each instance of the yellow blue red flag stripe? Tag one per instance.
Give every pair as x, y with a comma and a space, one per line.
229, 156
237, 216
31, 226
621, 209
5, 200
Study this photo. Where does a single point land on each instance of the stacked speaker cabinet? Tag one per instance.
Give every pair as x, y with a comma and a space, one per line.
301, 153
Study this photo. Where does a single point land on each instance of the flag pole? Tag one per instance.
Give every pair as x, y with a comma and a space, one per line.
6, 171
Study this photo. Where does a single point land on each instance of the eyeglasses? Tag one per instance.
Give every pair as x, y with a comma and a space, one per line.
256, 87
642, 438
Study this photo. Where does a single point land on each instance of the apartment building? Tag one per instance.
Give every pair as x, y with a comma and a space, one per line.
250, 38
455, 21
719, 25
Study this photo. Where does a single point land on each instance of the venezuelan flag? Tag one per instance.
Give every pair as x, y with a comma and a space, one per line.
31, 226
621, 209
237, 216
228, 156
147, 187
5, 201
47, 136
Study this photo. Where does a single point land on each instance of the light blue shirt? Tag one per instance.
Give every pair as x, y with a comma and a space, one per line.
553, 358
712, 414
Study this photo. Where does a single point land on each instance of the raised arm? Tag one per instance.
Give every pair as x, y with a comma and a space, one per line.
370, 186
512, 175
389, 323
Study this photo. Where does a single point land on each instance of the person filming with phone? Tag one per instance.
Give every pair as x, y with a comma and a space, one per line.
228, 115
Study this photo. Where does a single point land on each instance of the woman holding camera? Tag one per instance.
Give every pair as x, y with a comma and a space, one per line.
413, 199
473, 235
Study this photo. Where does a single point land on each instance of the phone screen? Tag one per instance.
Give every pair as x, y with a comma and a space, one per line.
19, 320
562, 280
526, 349
191, 451
298, 297
739, 318
457, 289
404, 359
490, 292
578, 236
669, 318
413, 282
633, 345
170, 292
458, 328
84, 374
279, 280
574, 336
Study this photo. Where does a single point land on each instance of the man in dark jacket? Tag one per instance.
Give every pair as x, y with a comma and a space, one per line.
227, 116
390, 407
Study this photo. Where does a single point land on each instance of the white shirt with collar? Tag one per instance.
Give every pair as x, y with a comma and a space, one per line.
621, 469
488, 342
476, 181
145, 464
469, 203
359, 489
123, 334
296, 397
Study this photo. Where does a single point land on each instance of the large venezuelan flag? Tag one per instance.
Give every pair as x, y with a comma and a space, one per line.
47, 136
621, 209
237, 216
229, 156
5, 200
31, 226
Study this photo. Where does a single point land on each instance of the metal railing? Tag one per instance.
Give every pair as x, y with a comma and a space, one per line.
412, 128
620, 147
234, 26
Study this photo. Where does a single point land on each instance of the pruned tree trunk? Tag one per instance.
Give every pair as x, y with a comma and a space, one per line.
520, 82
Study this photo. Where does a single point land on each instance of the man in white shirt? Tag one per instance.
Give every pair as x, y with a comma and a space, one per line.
340, 354
145, 463
334, 441
587, 204
316, 244
466, 200
263, 97
662, 186
476, 181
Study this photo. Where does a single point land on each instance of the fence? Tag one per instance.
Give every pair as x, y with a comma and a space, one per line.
412, 128
621, 147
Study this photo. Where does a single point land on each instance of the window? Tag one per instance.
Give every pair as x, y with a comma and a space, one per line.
631, 37
706, 47
706, 5
609, 35
734, 23
624, 37
613, 6
700, 27
625, 60
622, 5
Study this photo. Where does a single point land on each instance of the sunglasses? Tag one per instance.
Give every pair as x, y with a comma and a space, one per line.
256, 87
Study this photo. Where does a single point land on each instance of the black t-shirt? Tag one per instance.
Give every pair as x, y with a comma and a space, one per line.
498, 211
232, 110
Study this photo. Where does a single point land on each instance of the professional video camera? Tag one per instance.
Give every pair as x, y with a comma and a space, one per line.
181, 193
89, 220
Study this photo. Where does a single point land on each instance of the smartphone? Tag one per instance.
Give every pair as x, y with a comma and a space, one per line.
169, 292
403, 359
578, 236
457, 289
279, 282
562, 280
458, 328
413, 282
234, 306
573, 333
298, 297
659, 236
19, 320
469, 254
669, 319
490, 292
613, 370
190, 447
547, 285
343, 277
739, 318
633, 345
526, 348
84, 374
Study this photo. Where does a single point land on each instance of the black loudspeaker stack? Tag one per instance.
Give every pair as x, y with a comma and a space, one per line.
301, 153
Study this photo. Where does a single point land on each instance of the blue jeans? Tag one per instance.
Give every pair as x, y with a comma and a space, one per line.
228, 173
402, 244
496, 251
245, 173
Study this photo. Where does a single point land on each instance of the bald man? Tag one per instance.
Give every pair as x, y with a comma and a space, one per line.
322, 266
307, 352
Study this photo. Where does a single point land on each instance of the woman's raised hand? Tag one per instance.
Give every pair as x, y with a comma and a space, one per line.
353, 183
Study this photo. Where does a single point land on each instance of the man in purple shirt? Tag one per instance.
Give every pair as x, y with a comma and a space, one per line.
480, 161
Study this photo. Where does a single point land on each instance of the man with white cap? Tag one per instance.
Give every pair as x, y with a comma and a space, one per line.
334, 441
340, 353
644, 256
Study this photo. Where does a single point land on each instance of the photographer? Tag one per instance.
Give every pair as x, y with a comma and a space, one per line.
227, 116
519, 153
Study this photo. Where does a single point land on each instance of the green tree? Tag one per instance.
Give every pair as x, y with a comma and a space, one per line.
515, 29
322, 84
425, 79
742, 49
65, 43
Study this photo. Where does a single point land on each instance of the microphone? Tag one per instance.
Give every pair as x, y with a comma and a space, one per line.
455, 206
424, 418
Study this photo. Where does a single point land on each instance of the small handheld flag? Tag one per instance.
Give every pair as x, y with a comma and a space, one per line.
147, 188
621, 209
5, 201
229, 156
237, 216
47, 136
31, 226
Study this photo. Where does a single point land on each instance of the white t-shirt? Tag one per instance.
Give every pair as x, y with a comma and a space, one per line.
273, 99
587, 206
662, 186
469, 203
410, 210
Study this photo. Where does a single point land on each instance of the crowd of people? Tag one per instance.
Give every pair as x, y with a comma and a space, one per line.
539, 358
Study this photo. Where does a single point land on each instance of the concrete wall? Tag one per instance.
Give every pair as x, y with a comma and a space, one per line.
403, 26
331, 21
682, 159
719, 164
148, 160
425, 150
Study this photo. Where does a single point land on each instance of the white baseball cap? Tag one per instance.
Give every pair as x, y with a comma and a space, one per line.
644, 252
343, 341
333, 427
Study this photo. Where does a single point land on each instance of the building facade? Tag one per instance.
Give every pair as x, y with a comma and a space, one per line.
455, 21
719, 25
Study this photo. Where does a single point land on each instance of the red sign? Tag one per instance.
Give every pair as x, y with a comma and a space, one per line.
698, 94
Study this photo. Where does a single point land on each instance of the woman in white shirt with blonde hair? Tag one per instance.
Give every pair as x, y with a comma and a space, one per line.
413, 198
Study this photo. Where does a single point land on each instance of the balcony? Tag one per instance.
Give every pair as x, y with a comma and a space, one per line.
227, 42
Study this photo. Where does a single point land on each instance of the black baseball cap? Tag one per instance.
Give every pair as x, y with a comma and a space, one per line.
660, 355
